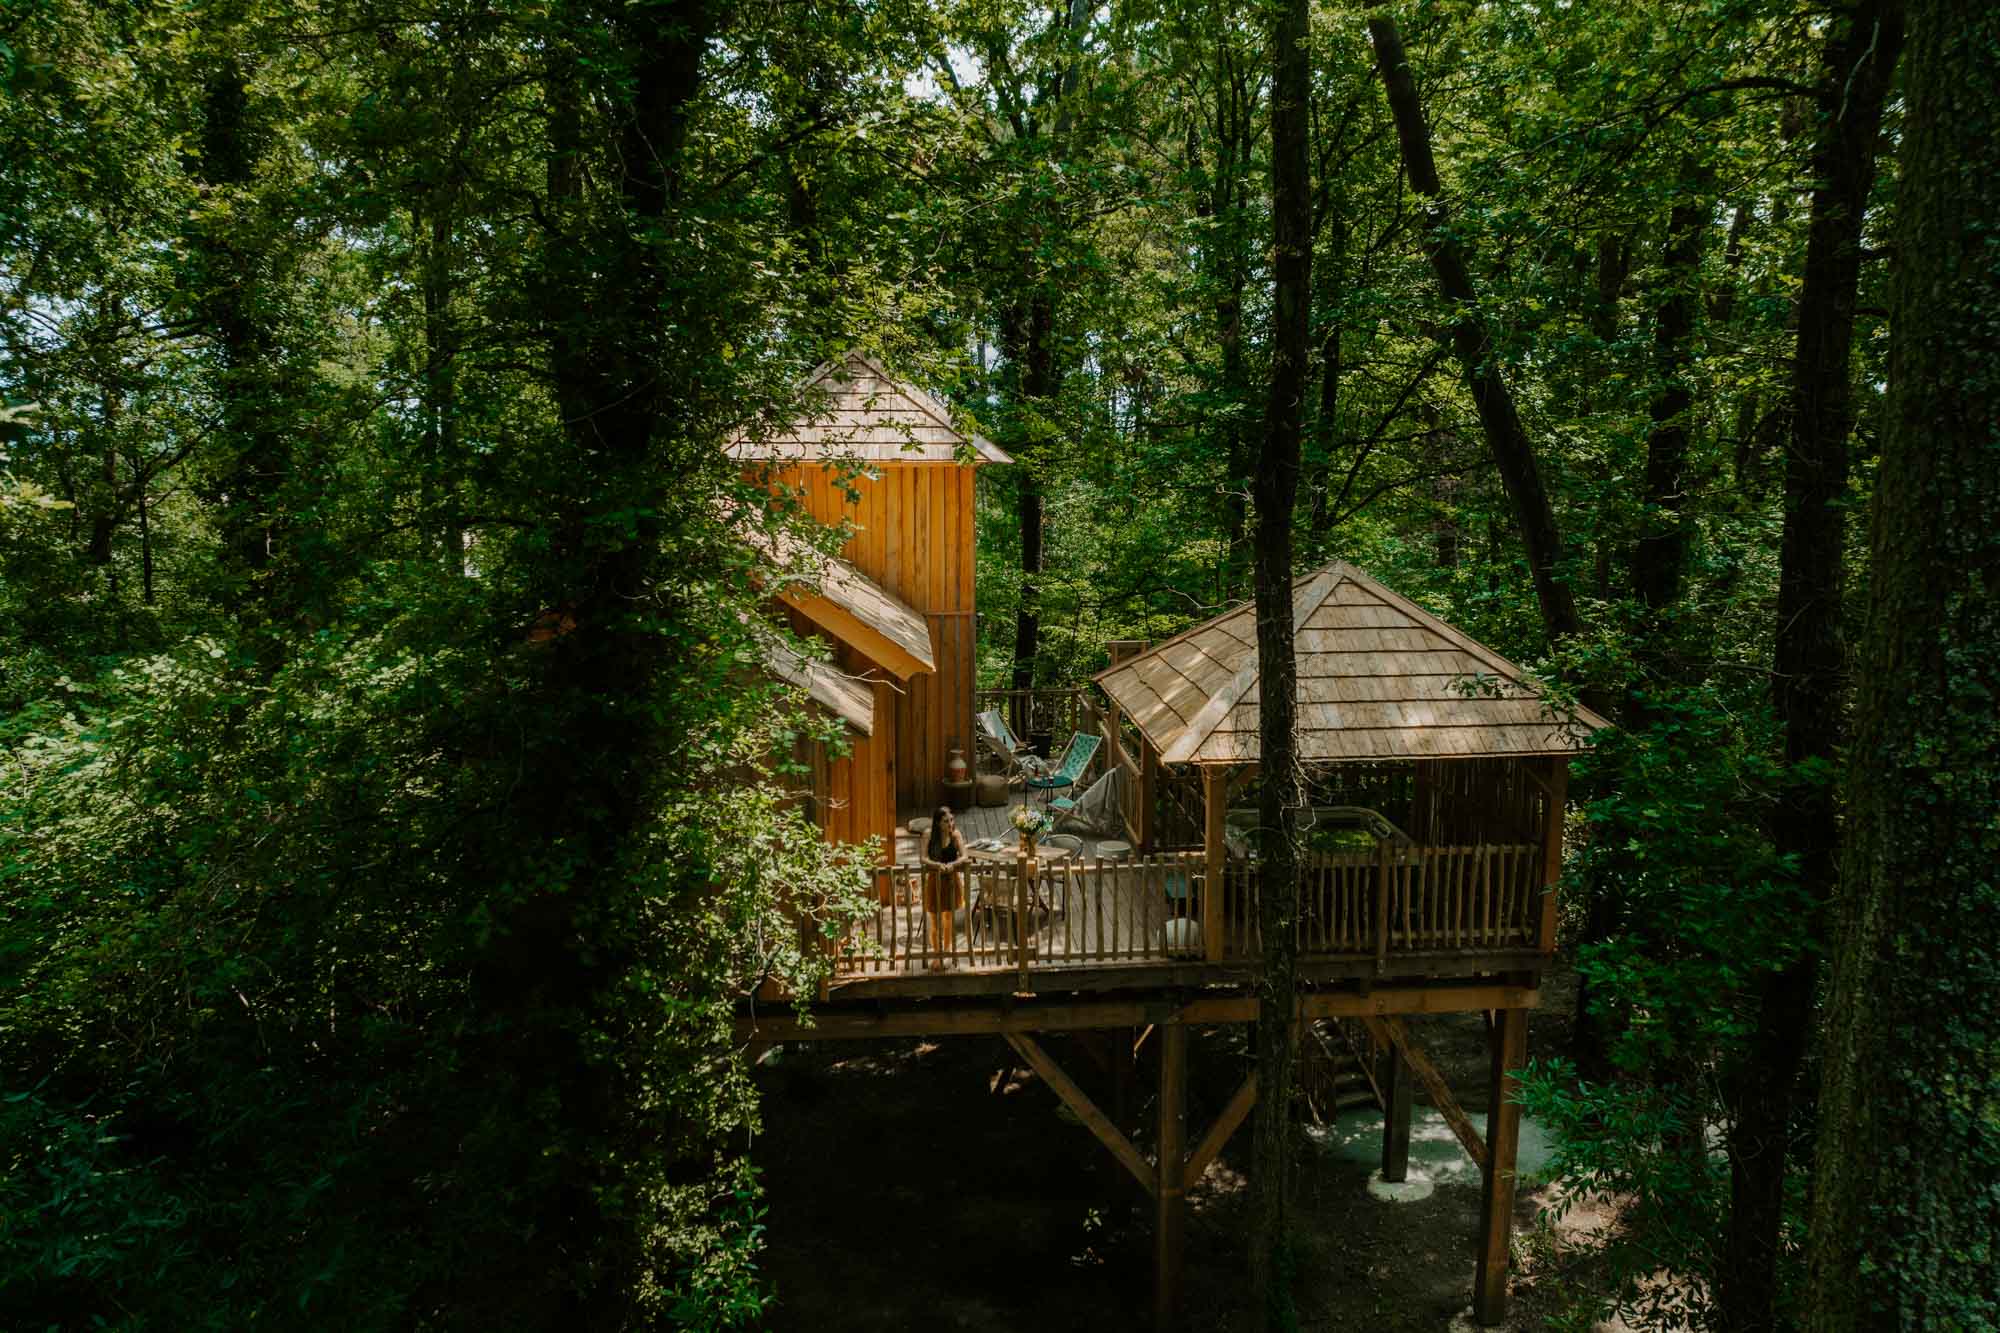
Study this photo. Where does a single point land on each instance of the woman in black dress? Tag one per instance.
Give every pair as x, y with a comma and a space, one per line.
944, 857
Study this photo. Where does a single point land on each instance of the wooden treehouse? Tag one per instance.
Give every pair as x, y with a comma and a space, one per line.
897, 607
1437, 777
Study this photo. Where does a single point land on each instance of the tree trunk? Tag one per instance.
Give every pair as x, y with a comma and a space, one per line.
1472, 344
1034, 348
257, 457
1660, 555
1810, 655
1911, 1095
554, 960
1277, 484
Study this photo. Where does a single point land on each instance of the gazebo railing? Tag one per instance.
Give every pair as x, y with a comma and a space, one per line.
1412, 900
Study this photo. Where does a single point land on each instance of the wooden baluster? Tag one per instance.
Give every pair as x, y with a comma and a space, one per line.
1468, 879
1381, 904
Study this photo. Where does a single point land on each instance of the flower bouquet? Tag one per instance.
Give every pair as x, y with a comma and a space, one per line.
1031, 824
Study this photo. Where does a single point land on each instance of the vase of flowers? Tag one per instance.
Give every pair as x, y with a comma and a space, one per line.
1031, 824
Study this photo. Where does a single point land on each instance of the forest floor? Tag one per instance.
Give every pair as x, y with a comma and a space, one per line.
939, 1184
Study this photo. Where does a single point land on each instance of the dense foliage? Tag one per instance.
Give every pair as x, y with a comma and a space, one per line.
388, 810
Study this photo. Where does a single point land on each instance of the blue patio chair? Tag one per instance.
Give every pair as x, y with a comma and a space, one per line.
1075, 759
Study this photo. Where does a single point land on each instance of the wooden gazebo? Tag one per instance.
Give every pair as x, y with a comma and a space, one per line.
1399, 714
1431, 747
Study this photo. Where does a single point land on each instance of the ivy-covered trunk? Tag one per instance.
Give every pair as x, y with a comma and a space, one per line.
1277, 486
555, 975
1905, 1216
1810, 659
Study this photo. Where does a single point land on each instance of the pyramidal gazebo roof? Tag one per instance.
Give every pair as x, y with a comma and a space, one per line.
872, 416
1379, 678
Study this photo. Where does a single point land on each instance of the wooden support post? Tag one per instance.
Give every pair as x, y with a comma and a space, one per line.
1382, 900
1170, 1189
1552, 850
1503, 1138
1215, 810
1395, 1115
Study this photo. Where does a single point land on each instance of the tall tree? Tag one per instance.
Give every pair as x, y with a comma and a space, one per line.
1277, 487
1905, 1218
1472, 342
1810, 659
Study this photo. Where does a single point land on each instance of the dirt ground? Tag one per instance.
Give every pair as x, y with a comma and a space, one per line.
940, 1184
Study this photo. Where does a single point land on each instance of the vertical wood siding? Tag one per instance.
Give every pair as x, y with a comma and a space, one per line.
914, 535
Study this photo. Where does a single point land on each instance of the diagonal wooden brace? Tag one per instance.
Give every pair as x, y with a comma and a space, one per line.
1086, 1110
1218, 1133
1390, 1029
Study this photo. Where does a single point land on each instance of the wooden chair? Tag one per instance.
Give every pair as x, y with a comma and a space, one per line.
1082, 749
998, 744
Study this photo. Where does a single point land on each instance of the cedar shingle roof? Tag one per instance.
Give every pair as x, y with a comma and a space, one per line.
848, 605
872, 416
1379, 678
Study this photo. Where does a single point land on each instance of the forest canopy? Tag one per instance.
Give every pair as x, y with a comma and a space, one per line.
389, 817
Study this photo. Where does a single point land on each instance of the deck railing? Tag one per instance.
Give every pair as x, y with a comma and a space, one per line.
1399, 901
1046, 913
1073, 913
1054, 713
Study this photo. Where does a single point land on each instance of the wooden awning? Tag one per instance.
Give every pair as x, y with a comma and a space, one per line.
871, 416
1379, 678
846, 604
851, 700
855, 609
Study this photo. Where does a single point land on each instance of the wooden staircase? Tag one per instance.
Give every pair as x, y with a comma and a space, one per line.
1336, 1069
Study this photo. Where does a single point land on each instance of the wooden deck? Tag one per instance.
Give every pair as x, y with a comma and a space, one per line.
1083, 921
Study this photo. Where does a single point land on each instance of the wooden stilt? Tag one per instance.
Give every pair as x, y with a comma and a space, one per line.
1503, 1138
1395, 1115
1170, 1188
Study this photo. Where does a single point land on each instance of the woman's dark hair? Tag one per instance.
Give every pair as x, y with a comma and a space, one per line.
938, 817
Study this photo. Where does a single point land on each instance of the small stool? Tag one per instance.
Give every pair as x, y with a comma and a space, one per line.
958, 795
1111, 849
992, 788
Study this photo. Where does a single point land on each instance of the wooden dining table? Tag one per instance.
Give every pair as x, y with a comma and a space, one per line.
1009, 853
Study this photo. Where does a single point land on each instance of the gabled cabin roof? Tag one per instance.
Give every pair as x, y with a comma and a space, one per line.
1379, 678
872, 416
845, 697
